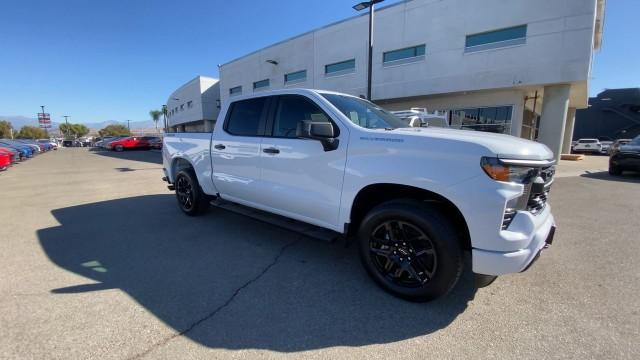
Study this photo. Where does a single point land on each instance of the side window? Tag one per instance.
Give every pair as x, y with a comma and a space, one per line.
244, 117
293, 109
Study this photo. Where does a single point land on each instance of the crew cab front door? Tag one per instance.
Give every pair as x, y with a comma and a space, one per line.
301, 179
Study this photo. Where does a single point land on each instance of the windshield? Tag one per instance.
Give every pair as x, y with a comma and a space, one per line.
364, 113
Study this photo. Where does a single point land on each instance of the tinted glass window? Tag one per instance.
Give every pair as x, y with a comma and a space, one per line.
508, 35
489, 119
244, 117
588, 141
261, 84
341, 67
235, 90
405, 53
293, 109
364, 113
296, 76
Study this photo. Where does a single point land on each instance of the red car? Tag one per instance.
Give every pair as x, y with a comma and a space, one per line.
132, 142
13, 155
5, 161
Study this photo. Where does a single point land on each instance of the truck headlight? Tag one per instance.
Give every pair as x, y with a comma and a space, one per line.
506, 173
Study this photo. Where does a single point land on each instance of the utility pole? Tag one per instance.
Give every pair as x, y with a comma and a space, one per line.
129, 128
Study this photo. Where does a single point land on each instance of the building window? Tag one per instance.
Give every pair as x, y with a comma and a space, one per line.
496, 39
182, 107
189, 104
235, 90
295, 77
406, 55
261, 84
495, 119
339, 68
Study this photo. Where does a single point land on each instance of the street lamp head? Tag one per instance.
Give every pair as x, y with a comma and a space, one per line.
365, 4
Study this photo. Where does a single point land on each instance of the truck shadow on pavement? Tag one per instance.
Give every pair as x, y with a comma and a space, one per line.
227, 281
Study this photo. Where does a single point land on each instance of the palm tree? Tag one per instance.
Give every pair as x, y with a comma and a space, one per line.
155, 116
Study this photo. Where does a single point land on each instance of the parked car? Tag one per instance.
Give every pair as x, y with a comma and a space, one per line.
26, 151
588, 146
15, 154
626, 157
155, 142
616, 145
413, 199
104, 143
421, 117
52, 143
129, 143
5, 161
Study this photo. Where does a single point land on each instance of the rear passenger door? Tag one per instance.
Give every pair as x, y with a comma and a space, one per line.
301, 179
235, 151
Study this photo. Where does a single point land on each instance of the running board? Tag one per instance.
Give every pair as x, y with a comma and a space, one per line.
309, 230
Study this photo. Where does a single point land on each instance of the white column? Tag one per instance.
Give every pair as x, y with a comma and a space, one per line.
553, 118
568, 131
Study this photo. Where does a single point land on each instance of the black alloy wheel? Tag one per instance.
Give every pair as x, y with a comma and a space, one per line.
411, 249
403, 253
191, 199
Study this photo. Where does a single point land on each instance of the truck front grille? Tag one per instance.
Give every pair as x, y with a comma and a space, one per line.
537, 200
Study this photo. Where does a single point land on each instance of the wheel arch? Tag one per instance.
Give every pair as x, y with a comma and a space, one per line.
373, 195
178, 164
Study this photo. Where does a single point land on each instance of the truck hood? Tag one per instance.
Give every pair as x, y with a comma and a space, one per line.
503, 146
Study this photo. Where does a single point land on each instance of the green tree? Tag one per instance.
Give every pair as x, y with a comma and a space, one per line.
155, 116
31, 132
5, 129
74, 130
115, 130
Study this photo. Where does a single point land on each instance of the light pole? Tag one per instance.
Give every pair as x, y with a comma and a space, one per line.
358, 7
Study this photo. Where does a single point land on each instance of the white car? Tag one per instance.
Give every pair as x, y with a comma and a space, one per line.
588, 145
413, 199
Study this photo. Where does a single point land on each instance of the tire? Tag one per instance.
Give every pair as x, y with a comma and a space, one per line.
119, 148
437, 259
191, 199
614, 170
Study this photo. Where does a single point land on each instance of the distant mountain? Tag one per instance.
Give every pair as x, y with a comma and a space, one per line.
20, 121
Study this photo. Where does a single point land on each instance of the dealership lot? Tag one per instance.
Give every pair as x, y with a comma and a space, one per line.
97, 261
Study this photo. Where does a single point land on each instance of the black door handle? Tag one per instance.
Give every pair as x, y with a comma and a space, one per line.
219, 147
271, 151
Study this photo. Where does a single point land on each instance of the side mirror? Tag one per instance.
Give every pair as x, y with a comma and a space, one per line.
322, 131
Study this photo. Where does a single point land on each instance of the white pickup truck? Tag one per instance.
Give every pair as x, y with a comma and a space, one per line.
413, 199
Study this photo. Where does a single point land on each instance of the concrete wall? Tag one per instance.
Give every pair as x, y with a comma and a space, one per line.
558, 49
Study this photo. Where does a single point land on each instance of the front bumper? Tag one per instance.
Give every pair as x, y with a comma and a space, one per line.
537, 229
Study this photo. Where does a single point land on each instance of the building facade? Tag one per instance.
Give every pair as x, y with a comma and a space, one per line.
613, 114
194, 106
516, 67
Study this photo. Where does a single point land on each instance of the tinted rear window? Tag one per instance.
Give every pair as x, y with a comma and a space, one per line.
588, 141
244, 117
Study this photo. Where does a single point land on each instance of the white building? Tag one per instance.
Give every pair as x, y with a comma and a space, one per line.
520, 67
194, 106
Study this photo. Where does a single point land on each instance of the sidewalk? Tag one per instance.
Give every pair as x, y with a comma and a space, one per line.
590, 164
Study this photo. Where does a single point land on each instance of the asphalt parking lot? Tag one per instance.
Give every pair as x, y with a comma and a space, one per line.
97, 261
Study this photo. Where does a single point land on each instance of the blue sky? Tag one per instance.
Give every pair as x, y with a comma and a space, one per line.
116, 60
